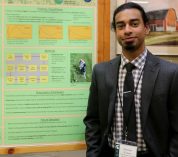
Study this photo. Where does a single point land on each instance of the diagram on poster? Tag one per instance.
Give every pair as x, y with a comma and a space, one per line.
27, 68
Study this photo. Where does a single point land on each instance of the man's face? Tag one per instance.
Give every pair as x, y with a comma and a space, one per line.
130, 30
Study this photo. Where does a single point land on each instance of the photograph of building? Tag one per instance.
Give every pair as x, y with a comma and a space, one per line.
163, 20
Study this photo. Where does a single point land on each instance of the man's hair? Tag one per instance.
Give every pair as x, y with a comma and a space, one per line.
129, 5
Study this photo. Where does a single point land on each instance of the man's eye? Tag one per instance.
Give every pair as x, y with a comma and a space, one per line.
135, 24
119, 26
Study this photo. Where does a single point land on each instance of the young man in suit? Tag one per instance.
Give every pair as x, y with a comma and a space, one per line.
155, 96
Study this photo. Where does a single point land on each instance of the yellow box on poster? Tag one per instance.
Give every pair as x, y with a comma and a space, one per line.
43, 67
27, 57
43, 79
21, 79
10, 67
10, 57
10, 80
21, 68
32, 79
32, 68
44, 57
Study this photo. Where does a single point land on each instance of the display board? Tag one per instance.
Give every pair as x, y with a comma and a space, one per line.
48, 49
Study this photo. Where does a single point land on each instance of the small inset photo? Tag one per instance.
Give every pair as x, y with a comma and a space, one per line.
81, 67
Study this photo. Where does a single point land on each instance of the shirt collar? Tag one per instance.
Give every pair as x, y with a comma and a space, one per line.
138, 62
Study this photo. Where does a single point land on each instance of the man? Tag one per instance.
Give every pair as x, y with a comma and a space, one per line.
82, 67
155, 96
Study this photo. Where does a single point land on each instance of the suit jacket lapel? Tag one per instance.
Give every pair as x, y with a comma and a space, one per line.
112, 82
151, 70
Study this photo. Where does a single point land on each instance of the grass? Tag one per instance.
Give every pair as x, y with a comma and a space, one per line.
75, 75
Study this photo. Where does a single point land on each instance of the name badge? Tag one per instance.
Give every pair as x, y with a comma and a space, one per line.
125, 149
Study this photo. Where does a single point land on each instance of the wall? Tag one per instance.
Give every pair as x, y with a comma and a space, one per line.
113, 41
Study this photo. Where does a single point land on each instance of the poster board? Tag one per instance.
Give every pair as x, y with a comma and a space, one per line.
43, 93
162, 40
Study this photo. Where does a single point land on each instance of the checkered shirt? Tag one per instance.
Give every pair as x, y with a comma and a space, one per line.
117, 128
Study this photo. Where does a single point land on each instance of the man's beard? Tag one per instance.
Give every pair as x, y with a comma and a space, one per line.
129, 47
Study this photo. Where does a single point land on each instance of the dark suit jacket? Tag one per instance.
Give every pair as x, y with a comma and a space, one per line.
159, 106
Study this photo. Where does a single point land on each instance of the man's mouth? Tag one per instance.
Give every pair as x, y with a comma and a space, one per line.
129, 39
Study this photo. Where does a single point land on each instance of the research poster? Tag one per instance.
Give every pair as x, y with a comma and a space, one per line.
48, 48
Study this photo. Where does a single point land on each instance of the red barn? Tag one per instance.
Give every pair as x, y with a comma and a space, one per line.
163, 20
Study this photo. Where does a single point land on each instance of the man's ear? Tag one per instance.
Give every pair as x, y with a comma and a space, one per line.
147, 29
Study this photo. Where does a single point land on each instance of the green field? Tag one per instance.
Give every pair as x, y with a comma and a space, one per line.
75, 74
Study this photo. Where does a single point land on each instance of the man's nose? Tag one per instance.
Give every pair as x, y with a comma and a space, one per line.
128, 29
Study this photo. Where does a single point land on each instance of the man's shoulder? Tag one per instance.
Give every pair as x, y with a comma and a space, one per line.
162, 62
115, 60
106, 65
